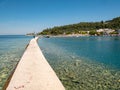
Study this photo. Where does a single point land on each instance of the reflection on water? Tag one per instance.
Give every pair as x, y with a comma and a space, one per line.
85, 63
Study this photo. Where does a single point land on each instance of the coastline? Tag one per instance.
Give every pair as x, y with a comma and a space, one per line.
75, 35
69, 35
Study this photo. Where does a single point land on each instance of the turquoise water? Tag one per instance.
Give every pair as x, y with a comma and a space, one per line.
84, 63
11, 50
81, 63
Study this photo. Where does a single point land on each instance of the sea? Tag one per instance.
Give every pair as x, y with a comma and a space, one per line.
12, 48
81, 63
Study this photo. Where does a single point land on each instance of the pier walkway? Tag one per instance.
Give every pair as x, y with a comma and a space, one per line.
33, 72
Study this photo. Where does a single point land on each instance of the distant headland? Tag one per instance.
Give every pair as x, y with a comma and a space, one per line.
109, 27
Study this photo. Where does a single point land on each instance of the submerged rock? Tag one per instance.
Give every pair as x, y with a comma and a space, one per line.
77, 62
66, 70
63, 79
76, 81
106, 72
3, 75
119, 80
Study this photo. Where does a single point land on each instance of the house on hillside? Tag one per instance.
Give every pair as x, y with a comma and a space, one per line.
105, 31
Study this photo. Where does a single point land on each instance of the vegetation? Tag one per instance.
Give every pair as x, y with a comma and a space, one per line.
92, 32
30, 34
83, 27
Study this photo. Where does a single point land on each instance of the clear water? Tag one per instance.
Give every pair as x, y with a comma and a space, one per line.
84, 63
11, 50
81, 63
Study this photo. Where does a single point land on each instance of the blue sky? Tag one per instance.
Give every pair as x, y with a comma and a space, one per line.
24, 16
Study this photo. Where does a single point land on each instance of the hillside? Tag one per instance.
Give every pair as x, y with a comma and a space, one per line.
82, 26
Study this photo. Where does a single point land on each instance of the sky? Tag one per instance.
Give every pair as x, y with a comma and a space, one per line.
26, 16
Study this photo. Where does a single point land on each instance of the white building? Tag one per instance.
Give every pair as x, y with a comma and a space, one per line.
106, 31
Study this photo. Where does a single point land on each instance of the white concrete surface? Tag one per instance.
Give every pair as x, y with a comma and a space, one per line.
34, 72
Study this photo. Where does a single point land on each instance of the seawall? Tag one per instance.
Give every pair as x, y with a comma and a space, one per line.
33, 72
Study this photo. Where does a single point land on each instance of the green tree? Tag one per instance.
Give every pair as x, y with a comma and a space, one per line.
92, 32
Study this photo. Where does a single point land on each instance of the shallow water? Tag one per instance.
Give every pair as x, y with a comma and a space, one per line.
84, 63
11, 50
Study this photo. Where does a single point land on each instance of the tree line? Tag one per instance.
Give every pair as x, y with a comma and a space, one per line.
82, 27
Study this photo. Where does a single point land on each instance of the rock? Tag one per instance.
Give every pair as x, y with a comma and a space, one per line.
106, 72
66, 70
119, 80
71, 75
63, 79
3, 75
77, 62
76, 81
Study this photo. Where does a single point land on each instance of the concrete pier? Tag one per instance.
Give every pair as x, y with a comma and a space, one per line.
34, 72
